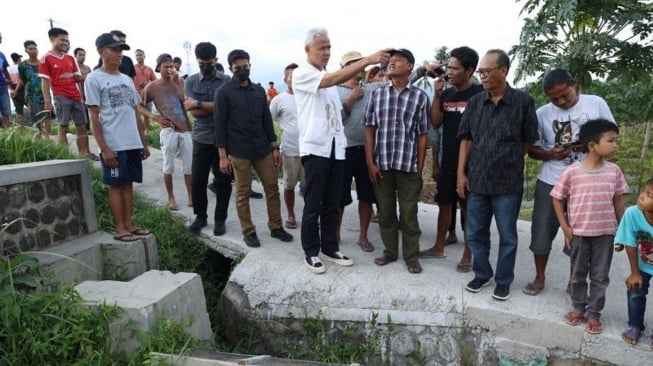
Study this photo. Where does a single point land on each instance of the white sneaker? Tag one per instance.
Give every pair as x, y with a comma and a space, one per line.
314, 264
337, 258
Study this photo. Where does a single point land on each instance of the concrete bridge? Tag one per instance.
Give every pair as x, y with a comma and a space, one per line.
431, 312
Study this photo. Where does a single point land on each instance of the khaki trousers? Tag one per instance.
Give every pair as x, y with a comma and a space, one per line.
267, 172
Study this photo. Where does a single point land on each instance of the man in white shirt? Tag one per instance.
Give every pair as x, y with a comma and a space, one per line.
284, 110
558, 124
322, 145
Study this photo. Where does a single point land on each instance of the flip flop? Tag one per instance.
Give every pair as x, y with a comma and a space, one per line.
291, 224
573, 318
593, 326
631, 336
532, 289
141, 232
366, 247
463, 267
450, 241
40, 116
429, 254
173, 206
126, 237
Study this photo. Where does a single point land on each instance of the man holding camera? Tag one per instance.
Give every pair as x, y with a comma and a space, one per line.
446, 111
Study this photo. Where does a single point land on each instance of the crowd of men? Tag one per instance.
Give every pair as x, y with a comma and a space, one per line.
366, 122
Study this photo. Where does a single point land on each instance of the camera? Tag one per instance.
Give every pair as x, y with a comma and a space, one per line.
437, 72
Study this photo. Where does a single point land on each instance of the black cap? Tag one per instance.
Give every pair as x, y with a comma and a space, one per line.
164, 57
404, 52
110, 40
119, 33
16, 57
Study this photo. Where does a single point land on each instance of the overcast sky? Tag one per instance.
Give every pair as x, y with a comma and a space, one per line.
272, 32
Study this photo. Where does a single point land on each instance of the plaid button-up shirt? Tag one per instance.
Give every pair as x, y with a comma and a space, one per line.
399, 118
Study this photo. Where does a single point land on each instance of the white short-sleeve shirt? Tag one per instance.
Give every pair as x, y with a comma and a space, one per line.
559, 126
318, 114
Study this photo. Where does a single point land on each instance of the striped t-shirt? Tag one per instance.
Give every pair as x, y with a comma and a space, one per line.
589, 195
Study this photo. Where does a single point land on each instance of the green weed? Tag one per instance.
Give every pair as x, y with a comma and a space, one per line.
349, 343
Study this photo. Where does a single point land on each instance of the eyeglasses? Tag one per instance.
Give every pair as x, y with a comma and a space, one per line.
243, 67
486, 72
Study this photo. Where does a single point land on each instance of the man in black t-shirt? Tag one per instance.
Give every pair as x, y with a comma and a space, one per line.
446, 111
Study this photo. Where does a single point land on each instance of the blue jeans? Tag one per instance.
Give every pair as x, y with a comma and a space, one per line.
505, 209
637, 303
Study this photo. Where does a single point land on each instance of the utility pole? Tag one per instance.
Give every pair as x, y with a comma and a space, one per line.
51, 22
187, 46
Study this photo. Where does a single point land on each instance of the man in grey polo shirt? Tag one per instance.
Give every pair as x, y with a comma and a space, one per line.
200, 89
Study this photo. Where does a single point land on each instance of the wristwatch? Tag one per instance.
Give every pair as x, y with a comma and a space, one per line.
198, 105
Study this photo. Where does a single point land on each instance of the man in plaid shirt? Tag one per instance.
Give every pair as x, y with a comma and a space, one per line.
396, 120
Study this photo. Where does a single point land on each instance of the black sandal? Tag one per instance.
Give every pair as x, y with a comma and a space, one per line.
382, 261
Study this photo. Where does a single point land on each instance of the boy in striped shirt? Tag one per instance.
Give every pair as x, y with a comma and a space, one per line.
594, 189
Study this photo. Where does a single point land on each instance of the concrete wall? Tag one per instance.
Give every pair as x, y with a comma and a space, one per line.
45, 203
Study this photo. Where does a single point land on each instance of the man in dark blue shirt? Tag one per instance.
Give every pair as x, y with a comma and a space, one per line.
498, 127
246, 139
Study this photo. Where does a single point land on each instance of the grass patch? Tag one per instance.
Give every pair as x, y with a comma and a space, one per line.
53, 326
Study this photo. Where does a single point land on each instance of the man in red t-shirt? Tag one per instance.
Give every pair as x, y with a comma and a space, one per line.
60, 74
271, 92
144, 75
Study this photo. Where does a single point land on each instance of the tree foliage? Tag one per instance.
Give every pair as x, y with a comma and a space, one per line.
592, 38
441, 54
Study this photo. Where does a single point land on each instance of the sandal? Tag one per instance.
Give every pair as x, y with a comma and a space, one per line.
366, 247
414, 267
126, 237
291, 224
574, 318
631, 336
382, 261
173, 206
141, 232
463, 267
593, 326
427, 253
532, 289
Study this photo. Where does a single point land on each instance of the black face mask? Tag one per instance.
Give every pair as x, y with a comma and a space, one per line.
242, 74
207, 70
